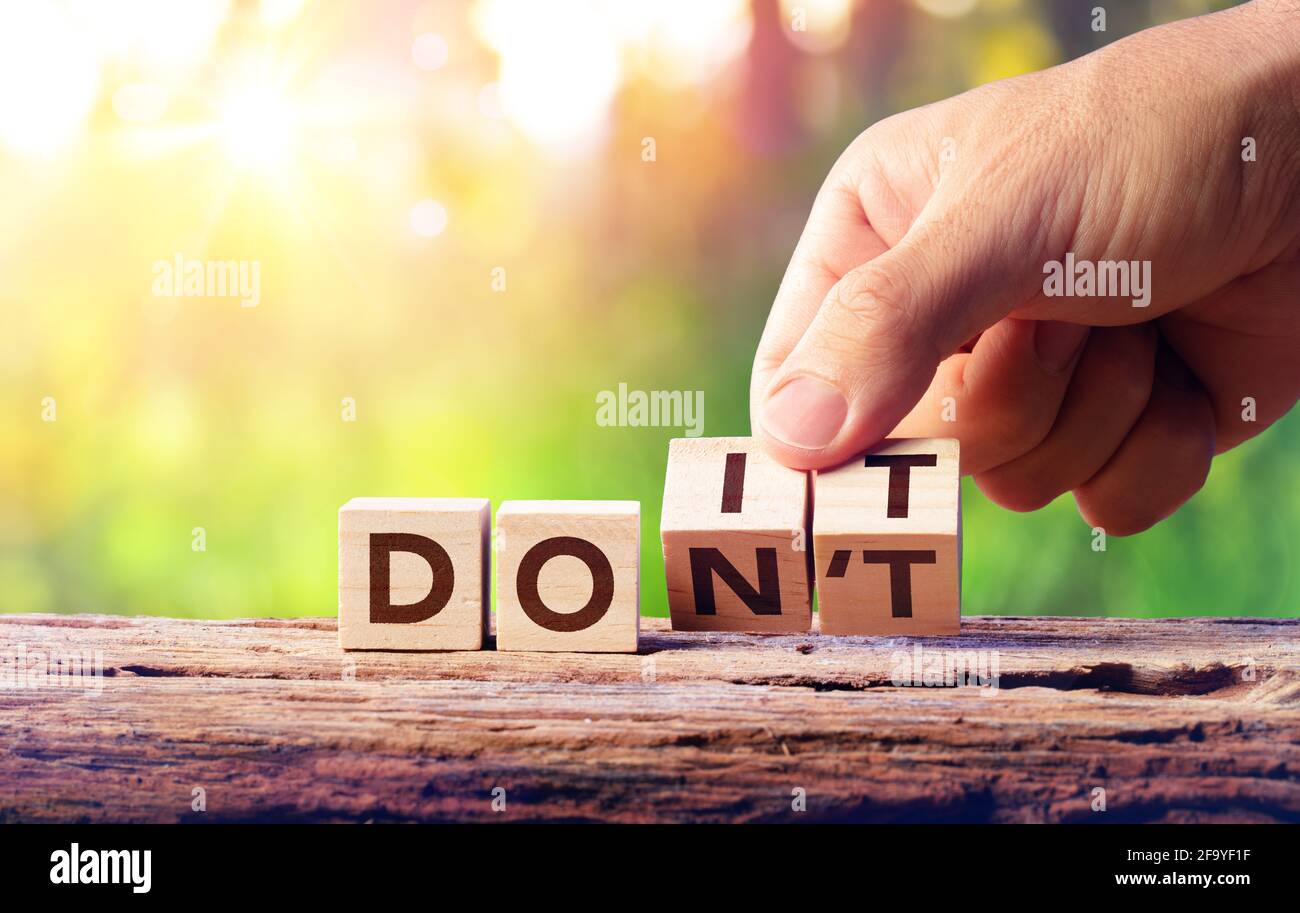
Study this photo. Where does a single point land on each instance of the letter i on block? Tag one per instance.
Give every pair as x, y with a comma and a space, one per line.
569, 576
413, 573
734, 531
887, 540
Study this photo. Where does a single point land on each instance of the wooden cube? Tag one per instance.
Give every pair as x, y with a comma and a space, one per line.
735, 538
413, 573
568, 576
887, 540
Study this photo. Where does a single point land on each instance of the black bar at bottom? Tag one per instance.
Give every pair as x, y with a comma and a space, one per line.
658, 863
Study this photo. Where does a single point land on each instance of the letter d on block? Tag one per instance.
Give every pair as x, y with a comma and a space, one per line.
735, 535
413, 573
382, 609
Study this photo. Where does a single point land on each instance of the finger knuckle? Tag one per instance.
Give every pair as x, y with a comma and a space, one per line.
876, 303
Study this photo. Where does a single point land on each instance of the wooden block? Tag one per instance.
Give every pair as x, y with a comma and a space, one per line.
569, 576
887, 540
413, 573
735, 538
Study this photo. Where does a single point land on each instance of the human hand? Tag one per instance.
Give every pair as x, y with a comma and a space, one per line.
916, 303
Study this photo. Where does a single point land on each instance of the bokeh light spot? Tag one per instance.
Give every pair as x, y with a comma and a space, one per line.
429, 51
257, 128
428, 218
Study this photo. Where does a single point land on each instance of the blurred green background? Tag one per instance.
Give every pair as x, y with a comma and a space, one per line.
458, 233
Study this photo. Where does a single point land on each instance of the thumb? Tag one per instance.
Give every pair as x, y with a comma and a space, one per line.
873, 347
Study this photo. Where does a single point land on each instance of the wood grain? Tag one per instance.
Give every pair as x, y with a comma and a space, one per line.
1177, 719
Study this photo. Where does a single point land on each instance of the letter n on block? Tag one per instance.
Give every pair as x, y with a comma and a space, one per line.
734, 530
413, 573
887, 540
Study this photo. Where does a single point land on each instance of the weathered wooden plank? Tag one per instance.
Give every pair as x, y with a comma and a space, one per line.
1177, 719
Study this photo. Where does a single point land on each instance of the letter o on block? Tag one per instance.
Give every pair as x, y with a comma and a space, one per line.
602, 584
568, 577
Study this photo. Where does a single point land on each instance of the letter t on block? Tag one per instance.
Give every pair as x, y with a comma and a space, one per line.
887, 540
734, 529
413, 573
